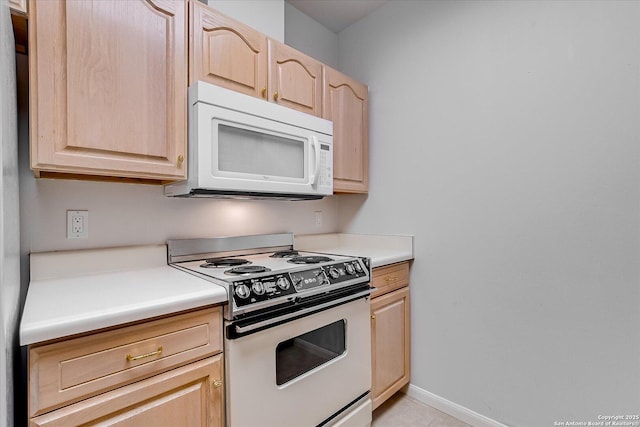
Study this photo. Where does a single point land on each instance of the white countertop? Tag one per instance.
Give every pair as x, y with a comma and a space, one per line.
79, 291
382, 249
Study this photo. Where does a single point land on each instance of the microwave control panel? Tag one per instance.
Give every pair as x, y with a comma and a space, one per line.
326, 160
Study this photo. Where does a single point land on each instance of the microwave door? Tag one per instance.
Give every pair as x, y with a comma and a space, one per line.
253, 154
257, 154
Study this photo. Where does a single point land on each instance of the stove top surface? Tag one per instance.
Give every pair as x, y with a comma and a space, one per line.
251, 265
264, 274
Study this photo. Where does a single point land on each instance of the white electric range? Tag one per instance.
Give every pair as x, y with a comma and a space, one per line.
297, 325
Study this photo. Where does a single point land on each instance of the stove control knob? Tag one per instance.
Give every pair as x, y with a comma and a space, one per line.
283, 283
350, 269
258, 288
358, 267
243, 291
333, 272
296, 280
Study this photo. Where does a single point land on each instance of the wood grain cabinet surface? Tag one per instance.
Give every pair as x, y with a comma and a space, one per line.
226, 52
346, 103
66, 372
390, 343
295, 79
188, 396
108, 86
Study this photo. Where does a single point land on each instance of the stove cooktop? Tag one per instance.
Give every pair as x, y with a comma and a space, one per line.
266, 260
270, 276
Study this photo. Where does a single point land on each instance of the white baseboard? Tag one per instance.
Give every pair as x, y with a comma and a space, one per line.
458, 411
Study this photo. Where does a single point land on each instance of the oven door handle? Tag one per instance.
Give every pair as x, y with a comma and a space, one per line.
241, 330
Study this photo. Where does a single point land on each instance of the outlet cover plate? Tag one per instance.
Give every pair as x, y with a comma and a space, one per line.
77, 224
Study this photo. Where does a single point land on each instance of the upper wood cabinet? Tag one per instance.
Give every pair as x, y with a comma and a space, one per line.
108, 83
226, 53
346, 104
295, 79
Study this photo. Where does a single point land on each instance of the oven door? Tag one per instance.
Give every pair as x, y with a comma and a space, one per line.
313, 370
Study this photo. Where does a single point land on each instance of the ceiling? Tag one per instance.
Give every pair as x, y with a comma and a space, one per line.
336, 15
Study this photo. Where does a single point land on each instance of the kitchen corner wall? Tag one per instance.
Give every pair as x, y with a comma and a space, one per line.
506, 137
307, 35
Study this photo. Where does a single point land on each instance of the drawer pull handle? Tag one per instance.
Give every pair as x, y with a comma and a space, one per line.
217, 383
158, 352
389, 279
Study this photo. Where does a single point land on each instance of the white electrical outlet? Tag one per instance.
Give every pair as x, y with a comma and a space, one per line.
318, 218
77, 224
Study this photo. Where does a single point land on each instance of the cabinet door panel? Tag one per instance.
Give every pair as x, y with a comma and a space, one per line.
108, 87
295, 79
68, 371
345, 102
226, 52
390, 335
190, 396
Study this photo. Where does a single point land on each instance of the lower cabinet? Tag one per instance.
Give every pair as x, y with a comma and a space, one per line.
390, 333
163, 372
187, 396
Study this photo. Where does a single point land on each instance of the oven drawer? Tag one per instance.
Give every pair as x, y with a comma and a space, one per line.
68, 371
389, 278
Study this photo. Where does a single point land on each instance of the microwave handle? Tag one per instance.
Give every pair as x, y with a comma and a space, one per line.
316, 146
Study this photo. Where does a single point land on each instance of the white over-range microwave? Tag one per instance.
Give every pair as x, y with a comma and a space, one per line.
245, 147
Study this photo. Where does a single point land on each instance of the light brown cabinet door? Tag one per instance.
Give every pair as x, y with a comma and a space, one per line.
226, 52
390, 335
295, 79
108, 85
188, 396
345, 102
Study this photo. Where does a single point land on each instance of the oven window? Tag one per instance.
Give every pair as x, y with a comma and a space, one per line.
305, 352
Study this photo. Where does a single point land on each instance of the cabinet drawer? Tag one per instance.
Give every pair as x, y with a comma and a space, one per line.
191, 395
68, 371
389, 278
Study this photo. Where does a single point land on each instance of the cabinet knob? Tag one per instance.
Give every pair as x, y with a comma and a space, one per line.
217, 383
275, 96
264, 92
373, 317
180, 158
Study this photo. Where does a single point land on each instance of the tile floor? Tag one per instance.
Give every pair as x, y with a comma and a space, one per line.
403, 411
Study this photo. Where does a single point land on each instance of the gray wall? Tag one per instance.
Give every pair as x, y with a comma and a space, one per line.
307, 35
266, 16
9, 219
506, 137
